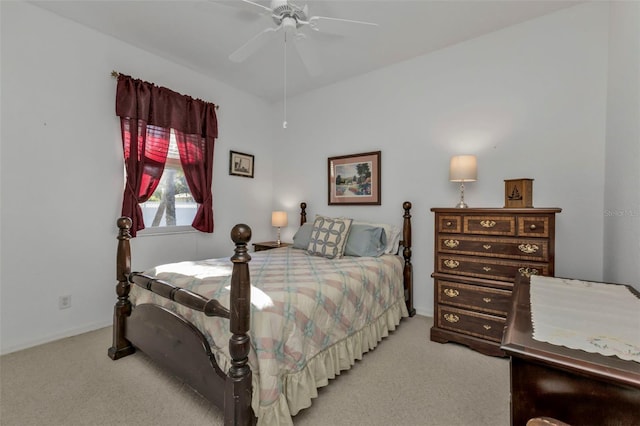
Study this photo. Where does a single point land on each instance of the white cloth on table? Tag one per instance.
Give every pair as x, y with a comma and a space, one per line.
590, 316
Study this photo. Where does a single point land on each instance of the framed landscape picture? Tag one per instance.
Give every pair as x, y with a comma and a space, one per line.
240, 164
354, 179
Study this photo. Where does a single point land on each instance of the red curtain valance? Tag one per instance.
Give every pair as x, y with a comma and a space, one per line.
162, 107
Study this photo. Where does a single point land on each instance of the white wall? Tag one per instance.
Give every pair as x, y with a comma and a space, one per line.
62, 172
529, 101
622, 191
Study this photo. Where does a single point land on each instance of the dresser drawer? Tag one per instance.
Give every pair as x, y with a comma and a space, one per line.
449, 224
488, 268
485, 299
508, 248
489, 225
472, 323
533, 226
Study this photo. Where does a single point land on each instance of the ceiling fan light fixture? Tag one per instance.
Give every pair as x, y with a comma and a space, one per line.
293, 19
283, 10
289, 24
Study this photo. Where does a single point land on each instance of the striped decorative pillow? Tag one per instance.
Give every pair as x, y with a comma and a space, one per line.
328, 237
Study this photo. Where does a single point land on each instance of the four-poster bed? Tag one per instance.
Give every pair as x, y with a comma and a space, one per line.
166, 320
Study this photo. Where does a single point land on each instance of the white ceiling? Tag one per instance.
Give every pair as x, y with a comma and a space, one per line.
202, 34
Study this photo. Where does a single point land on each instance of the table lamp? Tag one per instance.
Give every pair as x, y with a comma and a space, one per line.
278, 219
463, 168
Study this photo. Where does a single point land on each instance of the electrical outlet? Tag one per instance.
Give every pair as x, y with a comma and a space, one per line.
64, 302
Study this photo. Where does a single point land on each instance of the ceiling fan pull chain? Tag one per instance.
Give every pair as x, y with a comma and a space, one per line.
284, 123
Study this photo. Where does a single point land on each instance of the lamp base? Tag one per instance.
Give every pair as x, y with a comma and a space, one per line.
462, 204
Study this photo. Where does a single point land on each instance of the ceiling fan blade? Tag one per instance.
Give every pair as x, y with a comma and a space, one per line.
308, 57
257, 6
247, 5
338, 26
253, 45
246, 10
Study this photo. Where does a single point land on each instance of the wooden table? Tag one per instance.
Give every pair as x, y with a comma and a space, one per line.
573, 386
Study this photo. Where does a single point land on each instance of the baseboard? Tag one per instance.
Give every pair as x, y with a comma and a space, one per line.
57, 336
424, 312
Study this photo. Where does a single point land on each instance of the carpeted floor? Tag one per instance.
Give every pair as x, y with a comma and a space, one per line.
406, 380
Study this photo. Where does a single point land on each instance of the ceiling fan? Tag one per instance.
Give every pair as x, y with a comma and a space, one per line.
296, 24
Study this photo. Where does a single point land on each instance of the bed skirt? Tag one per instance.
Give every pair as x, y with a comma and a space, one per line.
300, 387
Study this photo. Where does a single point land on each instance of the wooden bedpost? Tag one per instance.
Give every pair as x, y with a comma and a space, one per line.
237, 395
408, 267
122, 309
303, 213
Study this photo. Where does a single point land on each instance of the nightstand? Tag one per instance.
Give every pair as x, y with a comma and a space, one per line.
268, 245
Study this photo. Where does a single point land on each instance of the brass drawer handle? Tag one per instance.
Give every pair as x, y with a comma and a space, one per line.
449, 223
487, 327
487, 246
532, 227
527, 272
451, 292
451, 243
528, 248
450, 263
487, 299
487, 223
486, 268
451, 317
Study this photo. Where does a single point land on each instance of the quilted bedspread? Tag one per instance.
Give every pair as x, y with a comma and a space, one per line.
311, 318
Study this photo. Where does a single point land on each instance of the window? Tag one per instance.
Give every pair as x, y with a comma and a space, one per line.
148, 114
171, 204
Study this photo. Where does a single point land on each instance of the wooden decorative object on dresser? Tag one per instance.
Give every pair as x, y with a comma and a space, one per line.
478, 253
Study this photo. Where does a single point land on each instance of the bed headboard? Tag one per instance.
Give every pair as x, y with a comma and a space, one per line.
303, 213
406, 251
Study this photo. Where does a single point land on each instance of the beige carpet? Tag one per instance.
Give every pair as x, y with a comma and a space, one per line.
406, 380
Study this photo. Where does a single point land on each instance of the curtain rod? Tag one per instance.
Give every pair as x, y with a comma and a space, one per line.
115, 74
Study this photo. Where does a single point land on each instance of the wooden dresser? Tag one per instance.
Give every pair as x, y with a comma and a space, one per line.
478, 252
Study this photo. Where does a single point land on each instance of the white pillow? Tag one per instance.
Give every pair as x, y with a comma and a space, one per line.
392, 232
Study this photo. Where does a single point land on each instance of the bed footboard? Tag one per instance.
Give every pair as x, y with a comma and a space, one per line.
176, 344
122, 309
237, 393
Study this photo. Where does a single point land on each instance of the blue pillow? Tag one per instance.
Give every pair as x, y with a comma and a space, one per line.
303, 236
365, 240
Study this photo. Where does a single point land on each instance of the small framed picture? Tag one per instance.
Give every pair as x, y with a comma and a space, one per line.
240, 164
355, 179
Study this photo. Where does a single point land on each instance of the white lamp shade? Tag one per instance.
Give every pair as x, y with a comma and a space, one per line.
463, 168
279, 219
